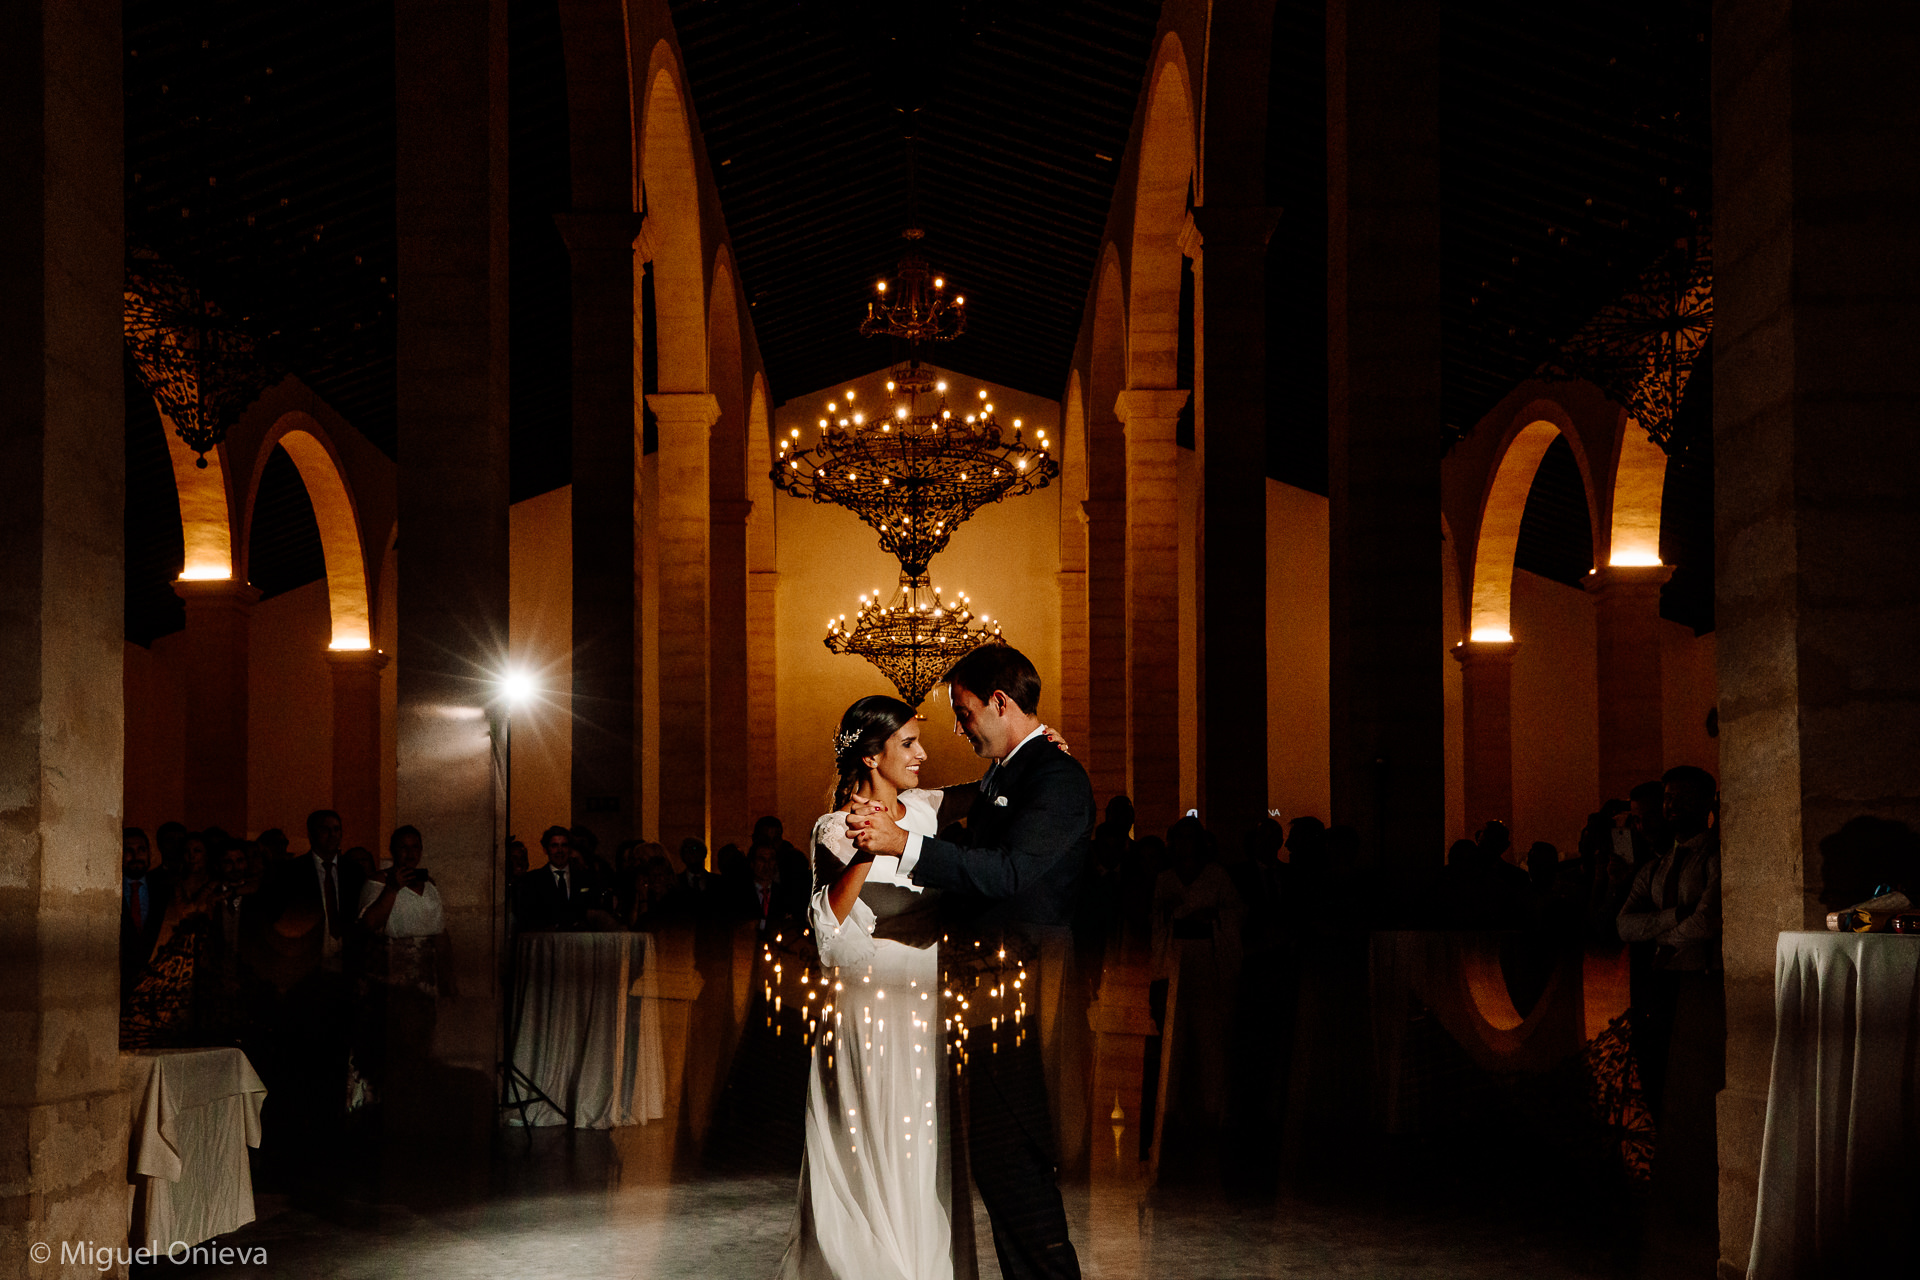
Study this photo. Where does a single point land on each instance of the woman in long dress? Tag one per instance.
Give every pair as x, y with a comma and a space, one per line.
874, 1184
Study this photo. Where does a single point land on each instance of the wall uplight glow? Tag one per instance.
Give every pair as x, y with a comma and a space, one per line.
1639, 482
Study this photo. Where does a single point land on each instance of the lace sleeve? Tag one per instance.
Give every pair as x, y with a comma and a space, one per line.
840, 942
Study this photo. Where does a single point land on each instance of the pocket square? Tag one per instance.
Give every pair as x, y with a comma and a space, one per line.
1000, 800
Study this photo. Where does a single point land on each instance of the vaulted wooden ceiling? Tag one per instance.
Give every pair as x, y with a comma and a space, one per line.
1018, 114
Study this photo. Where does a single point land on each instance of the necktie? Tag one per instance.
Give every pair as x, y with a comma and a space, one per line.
333, 901
560, 878
133, 903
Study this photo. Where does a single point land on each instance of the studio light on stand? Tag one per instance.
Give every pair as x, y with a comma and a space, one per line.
517, 689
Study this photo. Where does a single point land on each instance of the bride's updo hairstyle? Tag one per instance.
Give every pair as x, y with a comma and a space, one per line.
864, 731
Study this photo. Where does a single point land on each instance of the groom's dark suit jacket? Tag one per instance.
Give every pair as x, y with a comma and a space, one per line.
1029, 845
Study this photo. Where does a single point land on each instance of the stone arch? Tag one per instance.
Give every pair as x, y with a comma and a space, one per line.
1107, 370
758, 480
1534, 429
671, 197
1452, 683
206, 507
1073, 443
1639, 484
1167, 174
337, 516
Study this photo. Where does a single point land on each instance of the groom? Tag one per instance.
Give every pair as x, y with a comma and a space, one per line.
1022, 866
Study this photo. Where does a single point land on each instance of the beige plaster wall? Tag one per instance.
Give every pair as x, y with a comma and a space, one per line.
156, 719
289, 712
1690, 687
1556, 713
540, 643
1007, 558
1297, 704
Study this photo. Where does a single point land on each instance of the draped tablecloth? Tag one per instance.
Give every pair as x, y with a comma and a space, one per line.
588, 1028
1838, 1162
195, 1113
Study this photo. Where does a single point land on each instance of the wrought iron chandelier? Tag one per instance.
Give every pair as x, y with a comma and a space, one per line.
913, 306
1640, 349
914, 637
917, 467
202, 369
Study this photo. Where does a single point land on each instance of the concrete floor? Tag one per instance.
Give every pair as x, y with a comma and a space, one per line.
601, 1206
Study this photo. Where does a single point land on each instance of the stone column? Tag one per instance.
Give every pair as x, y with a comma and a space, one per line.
1233, 459
1383, 356
1071, 699
356, 745
1487, 704
63, 1119
1121, 1020
213, 650
1106, 519
1817, 499
763, 709
606, 485
729, 700
451, 367
1153, 604
1626, 601
686, 545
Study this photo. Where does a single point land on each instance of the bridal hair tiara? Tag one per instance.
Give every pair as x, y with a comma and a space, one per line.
844, 741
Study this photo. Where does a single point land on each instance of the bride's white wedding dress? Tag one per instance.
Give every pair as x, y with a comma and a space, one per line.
874, 1183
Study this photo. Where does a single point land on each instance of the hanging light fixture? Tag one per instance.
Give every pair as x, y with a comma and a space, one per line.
916, 466
914, 306
202, 369
914, 636
1640, 349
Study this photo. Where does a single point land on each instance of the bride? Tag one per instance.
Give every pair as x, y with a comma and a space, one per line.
874, 1185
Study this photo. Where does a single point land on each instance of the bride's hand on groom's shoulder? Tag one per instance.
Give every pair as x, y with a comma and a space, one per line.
1053, 736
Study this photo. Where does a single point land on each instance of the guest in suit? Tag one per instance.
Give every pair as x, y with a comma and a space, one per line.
315, 899
143, 901
566, 894
313, 902
795, 867
1019, 876
768, 898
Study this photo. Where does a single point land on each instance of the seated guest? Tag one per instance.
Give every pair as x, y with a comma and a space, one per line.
564, 894
143, 901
